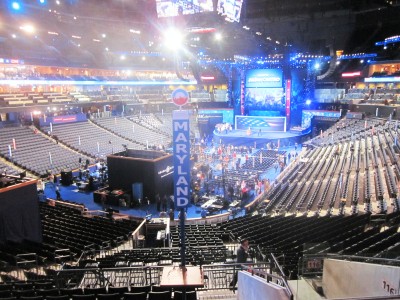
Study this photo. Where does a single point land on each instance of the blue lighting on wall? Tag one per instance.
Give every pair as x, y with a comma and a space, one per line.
93, 82
390, 40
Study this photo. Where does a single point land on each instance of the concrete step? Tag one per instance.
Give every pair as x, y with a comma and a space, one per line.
216, 294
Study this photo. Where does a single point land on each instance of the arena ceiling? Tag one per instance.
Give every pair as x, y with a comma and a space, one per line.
104, 33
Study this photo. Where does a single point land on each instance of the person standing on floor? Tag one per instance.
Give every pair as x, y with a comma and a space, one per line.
58, 194
241, 258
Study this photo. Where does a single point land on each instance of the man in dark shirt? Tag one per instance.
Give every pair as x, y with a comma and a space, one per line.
241, 258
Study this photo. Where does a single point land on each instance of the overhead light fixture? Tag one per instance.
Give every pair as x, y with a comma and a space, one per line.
28, 28
15, 5
173, 38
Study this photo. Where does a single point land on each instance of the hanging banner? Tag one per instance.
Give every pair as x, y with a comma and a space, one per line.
288, 94
181, 153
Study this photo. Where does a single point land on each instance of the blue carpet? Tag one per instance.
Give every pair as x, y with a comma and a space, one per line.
71, 193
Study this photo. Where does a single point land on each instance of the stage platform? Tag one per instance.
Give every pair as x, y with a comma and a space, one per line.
243, 138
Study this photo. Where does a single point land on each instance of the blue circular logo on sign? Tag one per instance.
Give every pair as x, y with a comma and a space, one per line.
180, 97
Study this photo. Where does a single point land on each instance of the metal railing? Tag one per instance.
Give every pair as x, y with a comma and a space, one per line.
218, 276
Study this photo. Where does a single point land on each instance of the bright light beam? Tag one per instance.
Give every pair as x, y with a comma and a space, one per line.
173, 39
28, 28
16, 5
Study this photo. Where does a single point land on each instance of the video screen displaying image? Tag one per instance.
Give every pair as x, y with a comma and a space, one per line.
264, 99
231, 9
174, 8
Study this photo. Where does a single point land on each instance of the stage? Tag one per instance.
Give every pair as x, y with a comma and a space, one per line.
237, 137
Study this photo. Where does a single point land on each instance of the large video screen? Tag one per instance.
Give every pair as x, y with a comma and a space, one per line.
264, 78
264, 99
173, 8
230, 9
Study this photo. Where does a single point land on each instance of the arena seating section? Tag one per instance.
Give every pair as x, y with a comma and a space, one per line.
148, 95
220, 95
381, 95
337, 196
91, 135
200, 96
142, 130
67, 233
6, 169
33, 151
350, 152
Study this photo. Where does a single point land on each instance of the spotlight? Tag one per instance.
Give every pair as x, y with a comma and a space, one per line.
28, 28
308, 102
15, 5
173, 38
218, 36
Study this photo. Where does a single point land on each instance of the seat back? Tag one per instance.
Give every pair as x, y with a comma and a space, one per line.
160, 295
140, 288
118, 289
84, 297
190, 295
135, 296
114, 296
62, 297
95, 291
